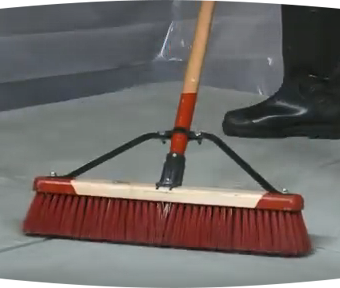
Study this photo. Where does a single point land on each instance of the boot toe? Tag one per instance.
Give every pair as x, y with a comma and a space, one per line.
235, 120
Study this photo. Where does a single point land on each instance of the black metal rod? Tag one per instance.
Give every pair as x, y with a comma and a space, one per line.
119, 150
167, 135
243, 164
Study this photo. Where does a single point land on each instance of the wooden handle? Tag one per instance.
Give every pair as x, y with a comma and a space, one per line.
199, 47
187, 103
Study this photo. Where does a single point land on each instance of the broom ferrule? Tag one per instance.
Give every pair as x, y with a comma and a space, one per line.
173, 171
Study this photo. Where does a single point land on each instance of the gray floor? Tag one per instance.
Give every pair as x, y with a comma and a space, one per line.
62, 136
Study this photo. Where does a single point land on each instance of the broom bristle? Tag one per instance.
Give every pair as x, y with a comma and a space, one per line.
168, 224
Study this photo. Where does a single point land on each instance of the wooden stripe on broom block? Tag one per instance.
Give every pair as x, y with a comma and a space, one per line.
184, 217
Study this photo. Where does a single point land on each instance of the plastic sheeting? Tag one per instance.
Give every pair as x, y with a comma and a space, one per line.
52, 53
245, 44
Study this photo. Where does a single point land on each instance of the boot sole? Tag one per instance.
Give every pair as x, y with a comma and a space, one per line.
311, 132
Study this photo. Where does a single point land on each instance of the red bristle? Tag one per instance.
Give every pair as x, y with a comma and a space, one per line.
297, 227
290, 233
69, 225
245, 234
275, 231
193, 230
303, 231
207, 227
229, 227
285, 245
165, 224
39, 217
152, 207
237, 233
113, 226
176, 228
53, 214
215, 226
65, 218
42, 215
107, 220
268, 230
153, 215
186, 236
149, 223
32, 218
263, 240
253, 231
53, 210
222, 231
138, 230
170, 225
79, 219
200, 223
160, 218
179, 232
142, 235
88, 218
94, 233
121, 219
101, 217
192, 227
130, 220
184, 233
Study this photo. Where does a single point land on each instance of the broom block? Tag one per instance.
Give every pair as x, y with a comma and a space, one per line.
185, 195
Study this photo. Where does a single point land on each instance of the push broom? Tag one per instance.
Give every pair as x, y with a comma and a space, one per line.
166, 213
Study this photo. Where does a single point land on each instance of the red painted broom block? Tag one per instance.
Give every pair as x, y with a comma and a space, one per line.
260, 200
264, 223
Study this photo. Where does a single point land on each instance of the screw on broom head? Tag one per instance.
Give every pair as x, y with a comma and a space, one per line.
206, 219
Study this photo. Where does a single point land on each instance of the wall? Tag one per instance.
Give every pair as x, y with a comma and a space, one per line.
60, 52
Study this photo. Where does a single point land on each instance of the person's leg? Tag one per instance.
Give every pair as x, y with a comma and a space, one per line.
311, 51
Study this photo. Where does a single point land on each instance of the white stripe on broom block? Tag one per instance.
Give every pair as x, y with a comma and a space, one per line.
185, 195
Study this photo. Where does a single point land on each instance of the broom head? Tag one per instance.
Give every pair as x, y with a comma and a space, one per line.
184, 217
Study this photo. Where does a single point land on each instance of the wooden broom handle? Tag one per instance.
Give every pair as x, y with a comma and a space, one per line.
188, 96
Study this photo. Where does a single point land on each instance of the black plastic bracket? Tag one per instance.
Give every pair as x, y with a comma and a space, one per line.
174, 165
173, 171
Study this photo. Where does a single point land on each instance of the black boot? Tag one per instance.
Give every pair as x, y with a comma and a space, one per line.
305, 106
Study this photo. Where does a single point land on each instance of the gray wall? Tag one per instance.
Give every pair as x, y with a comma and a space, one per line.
59, 52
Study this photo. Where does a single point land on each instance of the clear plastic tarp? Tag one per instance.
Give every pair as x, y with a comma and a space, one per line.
42, 39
